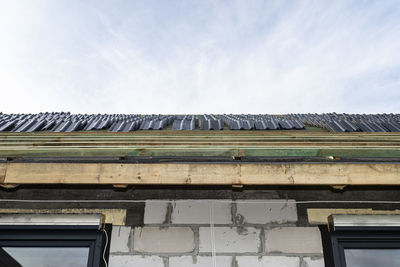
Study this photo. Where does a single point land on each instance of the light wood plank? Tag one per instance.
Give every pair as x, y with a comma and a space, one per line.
3, 170
203, 173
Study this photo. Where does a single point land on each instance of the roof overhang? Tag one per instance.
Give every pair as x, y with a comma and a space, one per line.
201, 158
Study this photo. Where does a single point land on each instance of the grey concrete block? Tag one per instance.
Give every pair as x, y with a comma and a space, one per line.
252, 211
130, 260
155, 212
267, 261
120, 239
199, 261
163, 240
198, 212
313, 262
239, 240
293, 240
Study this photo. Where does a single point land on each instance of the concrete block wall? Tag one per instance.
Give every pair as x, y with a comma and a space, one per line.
238, 233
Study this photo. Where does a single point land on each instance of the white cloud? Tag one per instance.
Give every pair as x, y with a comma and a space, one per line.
201, 57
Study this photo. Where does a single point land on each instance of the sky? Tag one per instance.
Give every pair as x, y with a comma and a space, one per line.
191, 56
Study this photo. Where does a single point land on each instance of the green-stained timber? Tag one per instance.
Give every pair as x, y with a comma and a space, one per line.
316, 143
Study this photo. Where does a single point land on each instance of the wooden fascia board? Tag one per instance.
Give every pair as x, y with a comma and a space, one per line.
201, 144
202, 173
355, 152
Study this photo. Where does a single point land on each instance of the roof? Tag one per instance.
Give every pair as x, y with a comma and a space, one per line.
67, 122
199, 145
202, 137
291, 149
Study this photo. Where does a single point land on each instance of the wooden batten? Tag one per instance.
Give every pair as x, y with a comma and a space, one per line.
201, 173
228, 144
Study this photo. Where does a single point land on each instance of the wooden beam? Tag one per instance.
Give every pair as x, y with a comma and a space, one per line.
3, 170
201, 144
202, 173
186, 151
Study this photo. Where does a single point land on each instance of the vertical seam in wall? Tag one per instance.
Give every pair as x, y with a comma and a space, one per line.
196, 240
233, 212
168, 214
261, 248
264, 240
130, 240
165, 261
302, 263
234, 262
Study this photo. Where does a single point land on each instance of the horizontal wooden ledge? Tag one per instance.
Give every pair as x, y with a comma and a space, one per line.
187, 151
206, 143
201, 173
255, 137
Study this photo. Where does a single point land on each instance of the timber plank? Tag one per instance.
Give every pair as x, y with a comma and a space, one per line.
201, 144
202, 173
182, 151
3, 170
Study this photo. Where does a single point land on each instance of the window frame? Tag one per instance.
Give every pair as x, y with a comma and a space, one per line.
57, 236
335, 242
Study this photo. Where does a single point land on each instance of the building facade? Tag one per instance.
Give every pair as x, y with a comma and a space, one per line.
185, 196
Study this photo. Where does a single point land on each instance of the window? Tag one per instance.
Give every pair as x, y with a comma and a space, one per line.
45, 240
362, 241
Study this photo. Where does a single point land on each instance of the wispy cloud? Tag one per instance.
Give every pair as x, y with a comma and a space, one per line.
200, 56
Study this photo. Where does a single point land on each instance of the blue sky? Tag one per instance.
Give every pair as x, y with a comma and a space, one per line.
193, 56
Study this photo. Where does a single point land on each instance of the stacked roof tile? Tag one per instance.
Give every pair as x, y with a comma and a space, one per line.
67, 122
187, 122
261, 122
351, 122
210, 122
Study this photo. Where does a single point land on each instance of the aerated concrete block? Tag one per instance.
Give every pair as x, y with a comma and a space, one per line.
163, 240
198, 212
199, 261
234, 240
130, 260
155, 212
268, 211
313, 262
293, 240
120, 239
267, 261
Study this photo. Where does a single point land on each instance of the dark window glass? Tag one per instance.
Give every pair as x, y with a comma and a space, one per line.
372, 257
49, 256
361, 246
52, 246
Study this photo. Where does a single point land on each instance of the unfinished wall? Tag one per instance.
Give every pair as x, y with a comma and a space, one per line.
264, 233
186, 233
